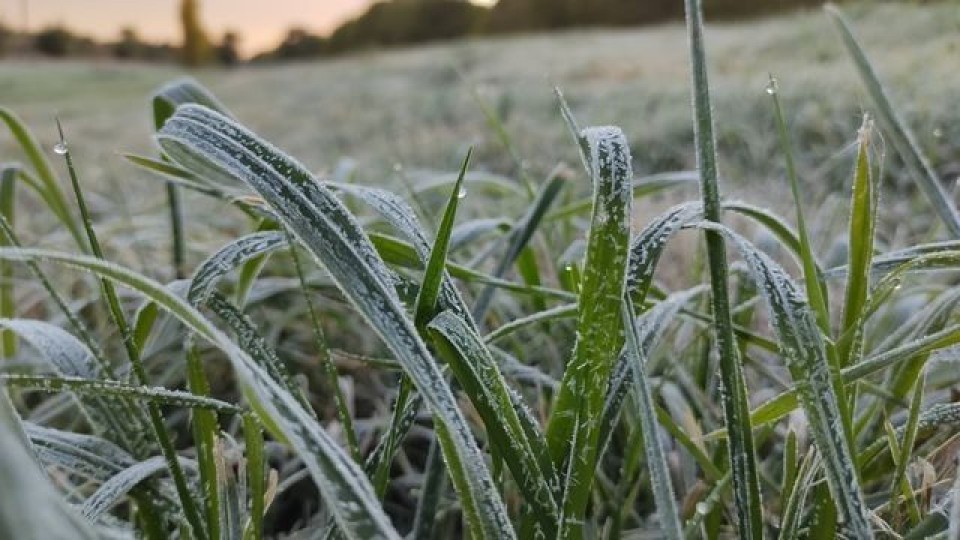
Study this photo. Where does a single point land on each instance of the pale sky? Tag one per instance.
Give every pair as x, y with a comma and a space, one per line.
261, 23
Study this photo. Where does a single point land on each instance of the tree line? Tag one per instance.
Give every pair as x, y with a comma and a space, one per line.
389, 23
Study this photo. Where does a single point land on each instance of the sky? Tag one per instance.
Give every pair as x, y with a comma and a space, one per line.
261, 23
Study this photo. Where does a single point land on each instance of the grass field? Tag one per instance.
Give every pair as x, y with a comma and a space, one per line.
518, 350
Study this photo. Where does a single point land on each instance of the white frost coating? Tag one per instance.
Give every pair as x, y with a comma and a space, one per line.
230, 256
802, 346
336, 240
111, 491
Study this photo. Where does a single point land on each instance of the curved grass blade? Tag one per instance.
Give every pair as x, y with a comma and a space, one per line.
341, 482
901, 135
525, 455
564, 311
336, 240
52, 194
36, 512
114, 489
229, 257
573, 430
656, 459
803, 348
743, 463
86, 455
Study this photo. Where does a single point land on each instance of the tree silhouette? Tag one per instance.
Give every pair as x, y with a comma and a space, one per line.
196, 46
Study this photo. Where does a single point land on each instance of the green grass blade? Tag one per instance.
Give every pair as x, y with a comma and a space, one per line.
341, 482
205, 432
646, 248
336, 240
480, 378
52, 194
900, 481
564, 311
792, 511
816, 294
114, 489
656, 459
256, 481
8, 341
433, 277
860, 238
742, 453
208, 273
37, 512
901, 135
573, 432
803, 348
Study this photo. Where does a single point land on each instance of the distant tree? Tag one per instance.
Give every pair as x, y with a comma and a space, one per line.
54, 41
299, 43
129, 46
196, 47
228, 52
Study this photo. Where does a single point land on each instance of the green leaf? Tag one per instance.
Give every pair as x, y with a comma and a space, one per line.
212, 141
573, 430
8, 341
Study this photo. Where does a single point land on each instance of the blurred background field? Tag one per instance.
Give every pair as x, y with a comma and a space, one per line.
386, 113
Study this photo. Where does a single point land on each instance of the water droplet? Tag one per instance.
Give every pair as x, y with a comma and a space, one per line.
938, 133
462, 193
60, 148
397, 167
703, 508
773, 86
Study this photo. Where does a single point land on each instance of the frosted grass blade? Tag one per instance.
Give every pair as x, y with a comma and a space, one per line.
804, 351
114, 489
743, 462
656, 459
336, 240
572, 431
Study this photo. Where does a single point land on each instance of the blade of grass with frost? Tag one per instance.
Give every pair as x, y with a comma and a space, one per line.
901, 135
564, 311
342, 484
900, 481
526, 456
520, 236
165, 101
573, 430
642, 187
797, 495
89, 456
662, 487
121, 420
336, 240
861, 232
119, 319
815, 289
37, 512
8, 341
256, 463
205, 427
52, 194
736, 409
651, 326
114, 489
109, 389
804, 350
433, 277
474, 230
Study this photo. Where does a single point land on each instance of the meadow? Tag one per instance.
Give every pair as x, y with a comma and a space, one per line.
461, 311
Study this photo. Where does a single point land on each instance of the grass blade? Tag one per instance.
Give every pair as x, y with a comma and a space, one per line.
901, 135
572, 432
736, 410
336, 240
8, 341
803, 348
656, 459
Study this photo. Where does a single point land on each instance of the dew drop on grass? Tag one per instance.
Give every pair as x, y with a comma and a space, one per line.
462, 193
772, 87
60, 148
